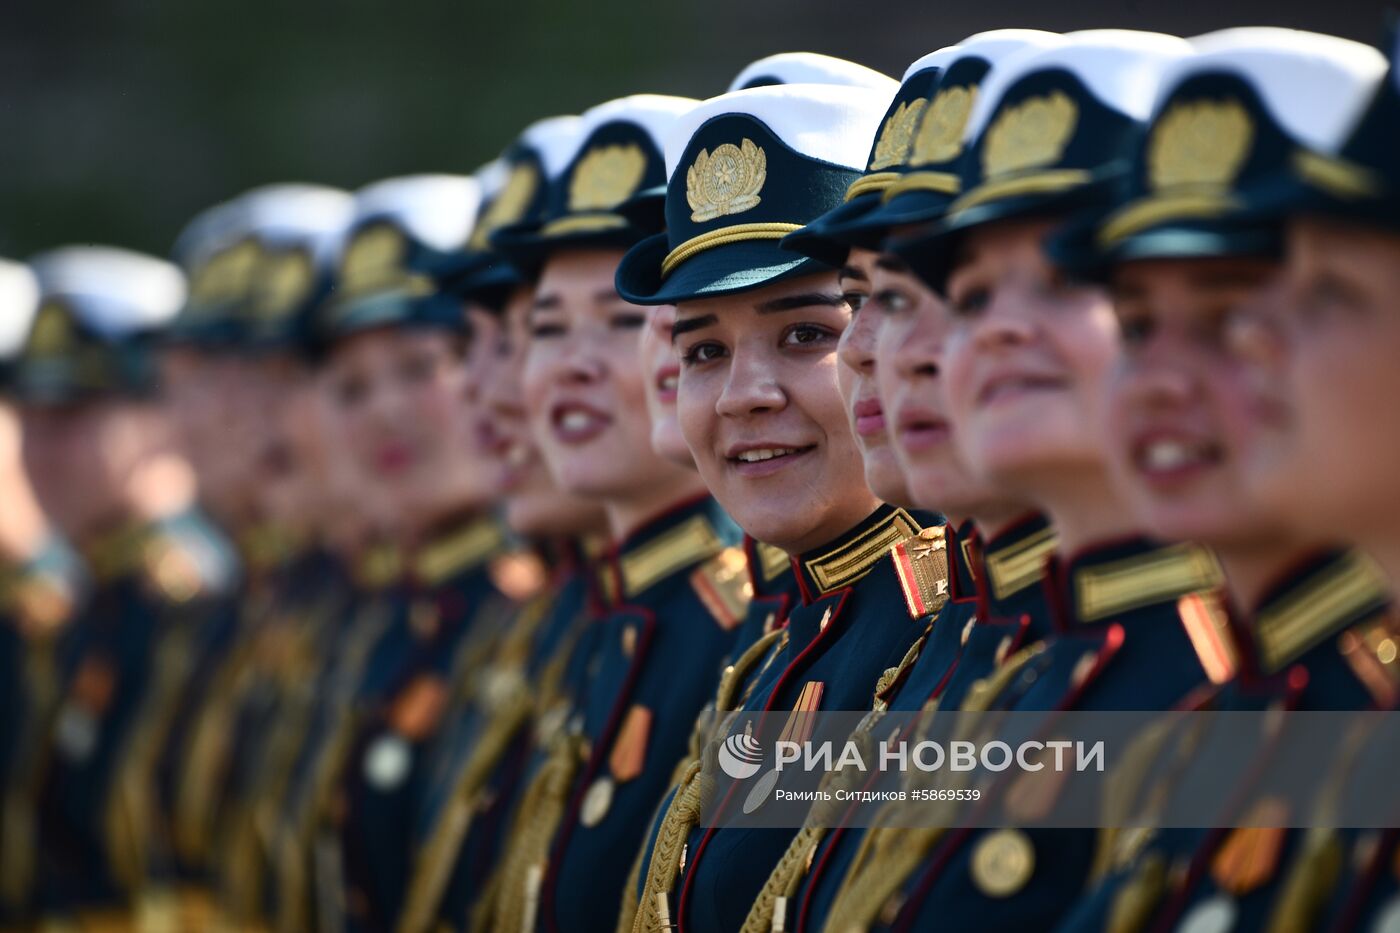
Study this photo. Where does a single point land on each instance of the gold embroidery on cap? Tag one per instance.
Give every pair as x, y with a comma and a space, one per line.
374, 260
892, 148
940, 134
1336, 176
871, 183
1196, 151
509, 205
1203, 143
725, 182
226, 274
52, 332
1031, 134
283, 281
606, 176
723, 236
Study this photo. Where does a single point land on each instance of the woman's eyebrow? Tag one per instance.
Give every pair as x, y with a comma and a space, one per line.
686, 325
808, 300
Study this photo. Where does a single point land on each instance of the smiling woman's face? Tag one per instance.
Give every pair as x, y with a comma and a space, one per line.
1026, 360
397, 398
535, 506
583, 380
1183, 418
859, 386
760, 408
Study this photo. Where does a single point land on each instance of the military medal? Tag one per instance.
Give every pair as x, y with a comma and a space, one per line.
76, 732
798, 728
1215, 915
387, 762
761, 790
1250, 854
597, 801
1003, 862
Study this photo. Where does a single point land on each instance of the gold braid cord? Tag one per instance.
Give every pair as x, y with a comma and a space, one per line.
433, 868
796, 861
787, 875
695, 787
509, 707
541, 812
690, 801
889, 855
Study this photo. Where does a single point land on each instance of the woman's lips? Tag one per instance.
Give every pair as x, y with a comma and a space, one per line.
1171, 458
919, 431
576, 423
753, 461
869, 418
667, 380
392, 459
1014, 386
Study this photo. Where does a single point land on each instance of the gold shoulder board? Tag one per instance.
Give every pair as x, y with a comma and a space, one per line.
722, 583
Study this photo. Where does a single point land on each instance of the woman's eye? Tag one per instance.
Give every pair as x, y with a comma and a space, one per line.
546, 329
701, 353
807, 335
628, 320
966, 302
351, 392
418, 368
893, 301
1137, 329
1325, 295
855, 299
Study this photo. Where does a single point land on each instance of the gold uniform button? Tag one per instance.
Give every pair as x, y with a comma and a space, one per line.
1003, 862
596, 802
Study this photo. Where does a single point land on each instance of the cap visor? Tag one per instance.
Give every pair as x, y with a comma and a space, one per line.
723, 270
829, 237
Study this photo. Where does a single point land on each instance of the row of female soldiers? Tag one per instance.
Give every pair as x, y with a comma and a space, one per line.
419, 538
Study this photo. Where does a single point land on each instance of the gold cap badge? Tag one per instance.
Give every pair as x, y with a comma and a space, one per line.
940, 134
892, 148
374, 260
1200, 143
508, 206
1031, 134
226, 274
52, 333
725, 182
606, 176
284, 280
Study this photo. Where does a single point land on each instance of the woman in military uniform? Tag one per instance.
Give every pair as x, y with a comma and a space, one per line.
673, 578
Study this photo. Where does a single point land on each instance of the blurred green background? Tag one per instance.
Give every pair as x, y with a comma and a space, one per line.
120, 120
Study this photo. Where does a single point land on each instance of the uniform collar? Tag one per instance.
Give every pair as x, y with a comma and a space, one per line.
1323, 595
456, 550
842, 562
119, 553
675, 540
1104, 582
1014, 558
964, 547
770, 568
378, 566
266, 546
